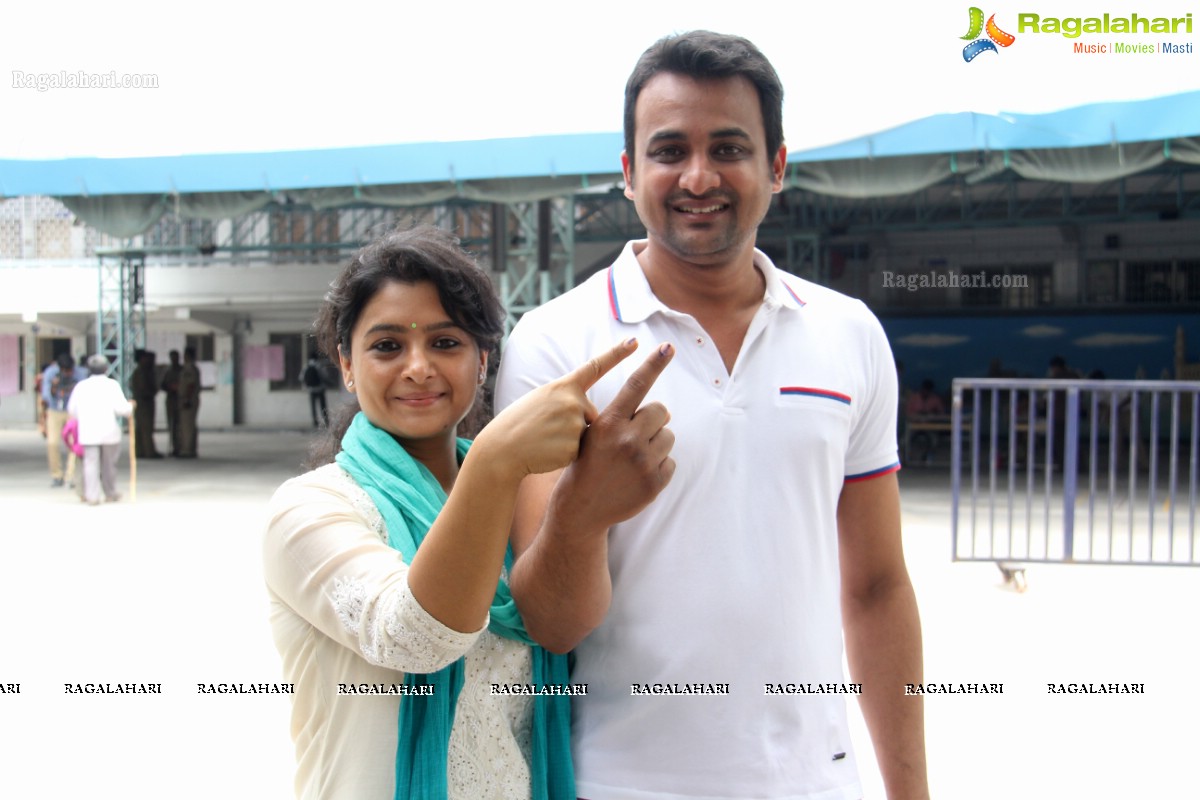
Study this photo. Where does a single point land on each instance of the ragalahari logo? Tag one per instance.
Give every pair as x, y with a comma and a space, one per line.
995, 36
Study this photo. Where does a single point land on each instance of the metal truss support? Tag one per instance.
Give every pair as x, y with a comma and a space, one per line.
537, 243
284, 232
608, 217
803, 257
121, 321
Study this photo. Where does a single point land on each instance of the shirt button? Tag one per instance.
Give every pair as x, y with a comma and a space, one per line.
699, 342
716, 381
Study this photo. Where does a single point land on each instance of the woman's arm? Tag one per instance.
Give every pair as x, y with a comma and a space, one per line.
325, 558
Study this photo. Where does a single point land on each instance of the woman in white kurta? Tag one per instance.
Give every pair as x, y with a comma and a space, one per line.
374, 616
342, 613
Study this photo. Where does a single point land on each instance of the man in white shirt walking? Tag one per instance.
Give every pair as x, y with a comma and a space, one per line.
97, 402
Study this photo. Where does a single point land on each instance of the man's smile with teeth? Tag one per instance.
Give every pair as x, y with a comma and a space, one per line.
701, 209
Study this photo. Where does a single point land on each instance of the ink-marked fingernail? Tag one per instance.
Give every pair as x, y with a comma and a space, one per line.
665, 349
632, 340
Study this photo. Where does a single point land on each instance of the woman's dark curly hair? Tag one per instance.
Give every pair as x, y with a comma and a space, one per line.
413, 255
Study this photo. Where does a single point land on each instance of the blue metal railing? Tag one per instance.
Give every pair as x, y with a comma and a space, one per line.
1087, 471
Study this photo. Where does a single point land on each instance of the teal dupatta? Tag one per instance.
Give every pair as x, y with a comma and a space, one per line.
409, 498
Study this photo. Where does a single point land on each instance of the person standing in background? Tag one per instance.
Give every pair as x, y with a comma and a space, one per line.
40, 400
74, 452
96, 403
170, 385
314, 381
144, 386
58, 381
189, 403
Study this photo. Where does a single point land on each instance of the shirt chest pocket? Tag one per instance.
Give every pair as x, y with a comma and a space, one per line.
815, 417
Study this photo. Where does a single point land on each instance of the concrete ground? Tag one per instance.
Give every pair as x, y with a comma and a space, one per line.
168, 590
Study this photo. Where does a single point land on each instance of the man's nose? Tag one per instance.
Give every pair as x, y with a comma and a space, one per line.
699, 175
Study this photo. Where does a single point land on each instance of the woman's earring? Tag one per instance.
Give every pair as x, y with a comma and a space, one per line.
350, 384
482, 376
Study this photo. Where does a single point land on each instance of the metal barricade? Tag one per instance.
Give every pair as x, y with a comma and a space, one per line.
1083, 471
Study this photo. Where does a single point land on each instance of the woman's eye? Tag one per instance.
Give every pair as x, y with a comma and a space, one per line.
446, 343
385, 346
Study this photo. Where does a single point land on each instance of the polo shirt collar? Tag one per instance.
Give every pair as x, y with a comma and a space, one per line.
781, 292
630, 299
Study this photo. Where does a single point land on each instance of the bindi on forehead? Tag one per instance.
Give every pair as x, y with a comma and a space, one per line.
392, 327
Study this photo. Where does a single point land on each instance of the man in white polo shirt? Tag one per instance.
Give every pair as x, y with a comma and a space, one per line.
705, 593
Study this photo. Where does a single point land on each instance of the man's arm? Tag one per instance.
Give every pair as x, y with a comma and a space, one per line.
560, 580
883, 631
48, 386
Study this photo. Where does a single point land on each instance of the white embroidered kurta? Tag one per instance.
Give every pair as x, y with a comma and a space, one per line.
342, 615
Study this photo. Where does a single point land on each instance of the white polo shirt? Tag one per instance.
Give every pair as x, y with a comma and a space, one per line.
728, 582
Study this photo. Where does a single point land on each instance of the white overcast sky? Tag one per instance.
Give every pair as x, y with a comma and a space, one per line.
249, 76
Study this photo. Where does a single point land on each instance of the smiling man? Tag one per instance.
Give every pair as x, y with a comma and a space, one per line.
776, 530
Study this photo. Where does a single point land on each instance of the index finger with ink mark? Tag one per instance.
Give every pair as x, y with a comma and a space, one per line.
638, 385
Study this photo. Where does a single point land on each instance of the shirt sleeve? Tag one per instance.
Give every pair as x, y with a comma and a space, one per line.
324, 560
872, 450
531, 359
120, 403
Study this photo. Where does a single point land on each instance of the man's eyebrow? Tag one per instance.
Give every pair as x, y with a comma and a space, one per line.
664, 136
729, 133
721, 133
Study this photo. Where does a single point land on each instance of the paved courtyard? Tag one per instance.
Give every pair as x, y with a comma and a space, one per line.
167, 590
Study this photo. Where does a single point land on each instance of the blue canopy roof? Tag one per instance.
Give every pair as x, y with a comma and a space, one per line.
593, 154
1161, 118
427, 162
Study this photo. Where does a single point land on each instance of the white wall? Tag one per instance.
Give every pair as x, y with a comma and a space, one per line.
285, 408
62, 299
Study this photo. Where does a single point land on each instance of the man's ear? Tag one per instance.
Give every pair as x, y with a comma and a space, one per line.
627, 171
779, 169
